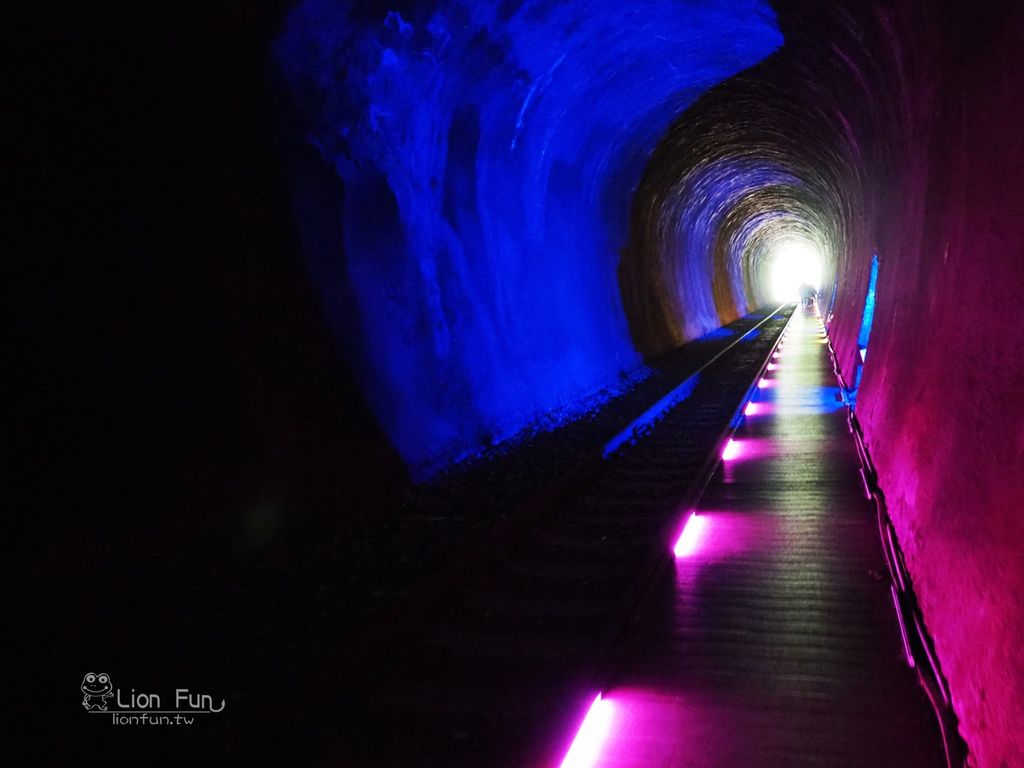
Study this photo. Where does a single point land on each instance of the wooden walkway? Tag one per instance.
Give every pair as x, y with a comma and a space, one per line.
774, 642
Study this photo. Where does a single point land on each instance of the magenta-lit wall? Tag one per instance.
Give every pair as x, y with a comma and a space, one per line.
941, 401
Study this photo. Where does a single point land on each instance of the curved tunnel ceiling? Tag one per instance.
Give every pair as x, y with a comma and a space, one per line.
515, 205
776, 155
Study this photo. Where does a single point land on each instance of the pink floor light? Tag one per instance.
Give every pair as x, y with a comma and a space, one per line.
731, 451
754, 408
691, 536
590, 738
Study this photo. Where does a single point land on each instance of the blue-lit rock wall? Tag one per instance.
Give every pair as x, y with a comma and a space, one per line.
487, 157
887, 128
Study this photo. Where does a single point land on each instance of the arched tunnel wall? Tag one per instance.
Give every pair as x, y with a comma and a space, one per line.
500, 211
887, 130
488, 155
521, 211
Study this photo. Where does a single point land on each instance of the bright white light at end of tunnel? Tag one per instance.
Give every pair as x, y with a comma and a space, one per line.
794, 263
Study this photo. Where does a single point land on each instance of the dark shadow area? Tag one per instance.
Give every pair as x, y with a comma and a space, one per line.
189, 444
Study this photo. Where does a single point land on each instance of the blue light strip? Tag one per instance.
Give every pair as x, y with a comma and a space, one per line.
651, 416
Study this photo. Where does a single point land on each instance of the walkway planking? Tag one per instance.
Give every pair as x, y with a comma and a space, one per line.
485, 667
775, 642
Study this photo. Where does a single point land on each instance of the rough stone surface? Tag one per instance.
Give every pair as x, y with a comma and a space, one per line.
495, 211
941, 395
488, 154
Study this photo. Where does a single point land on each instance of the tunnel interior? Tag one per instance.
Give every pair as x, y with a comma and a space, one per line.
490, 215
588, 188
362, 245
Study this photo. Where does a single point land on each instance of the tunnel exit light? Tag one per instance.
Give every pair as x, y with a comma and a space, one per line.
586, 747
793, 264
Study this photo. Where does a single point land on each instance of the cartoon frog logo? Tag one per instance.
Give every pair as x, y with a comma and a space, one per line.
97, 689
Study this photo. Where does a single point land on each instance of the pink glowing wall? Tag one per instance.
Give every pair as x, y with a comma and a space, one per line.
942, 401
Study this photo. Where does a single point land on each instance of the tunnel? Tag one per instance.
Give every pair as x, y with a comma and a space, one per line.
337, 304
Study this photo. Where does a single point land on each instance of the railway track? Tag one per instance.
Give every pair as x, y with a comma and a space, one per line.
491, 661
